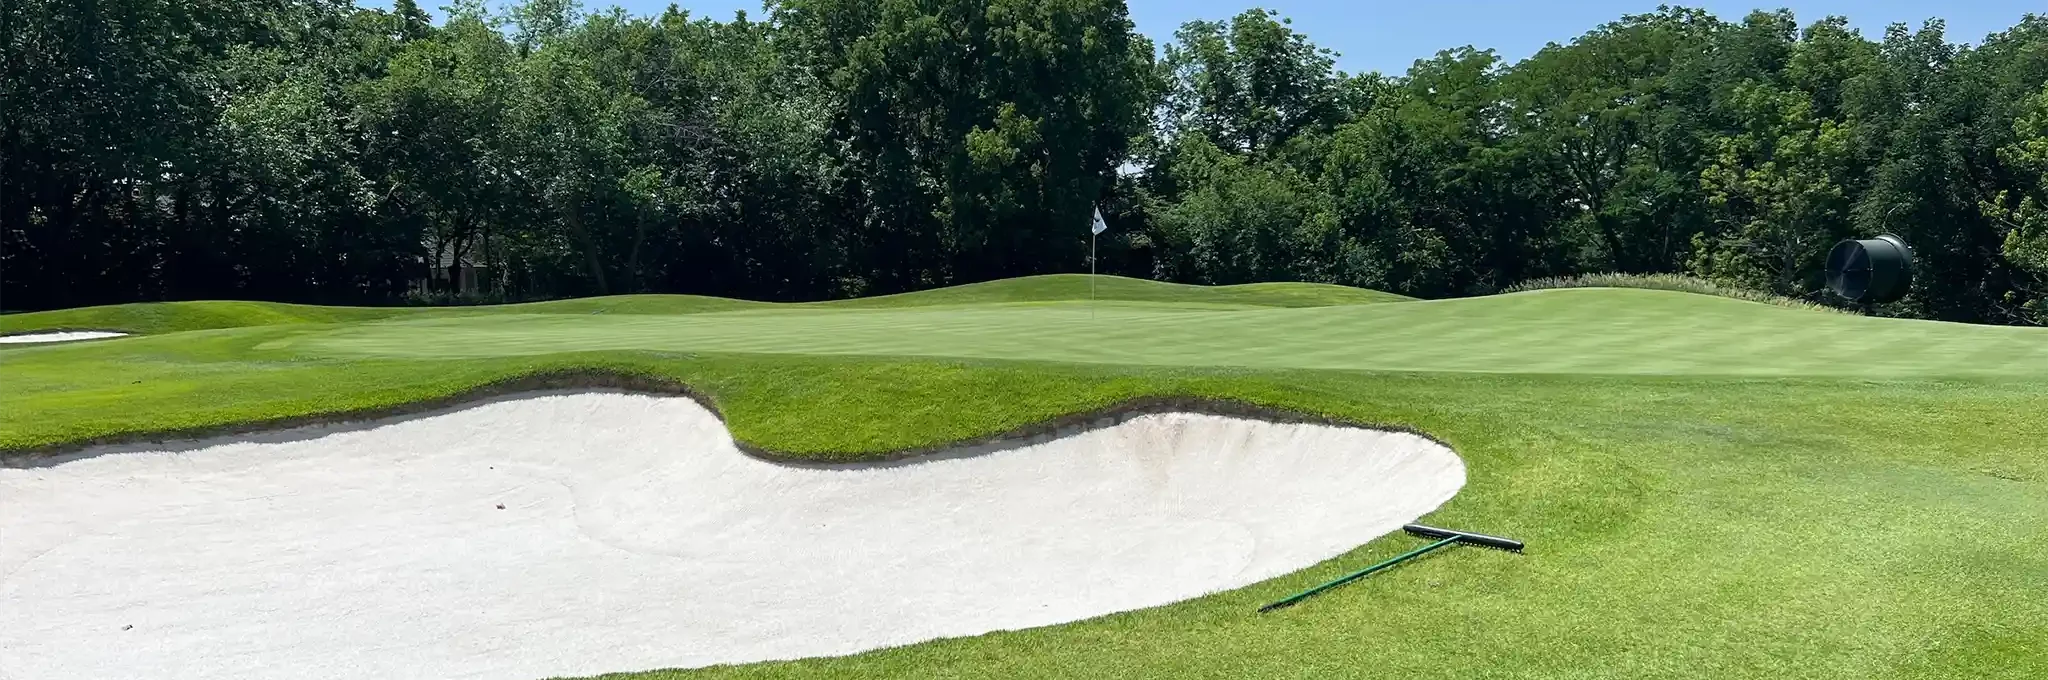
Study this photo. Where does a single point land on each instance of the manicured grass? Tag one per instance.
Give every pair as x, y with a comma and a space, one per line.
1757, 510
1578, 331
1056, 287
170, 317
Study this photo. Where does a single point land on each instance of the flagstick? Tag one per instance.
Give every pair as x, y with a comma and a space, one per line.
1093, 231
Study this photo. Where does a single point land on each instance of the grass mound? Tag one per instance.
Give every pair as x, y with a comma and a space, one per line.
146, 318
1673, 282
1604, 331
150, 318
1067, 287
610, 304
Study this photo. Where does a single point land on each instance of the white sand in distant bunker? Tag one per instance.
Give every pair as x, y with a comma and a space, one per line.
633, 535
62, 336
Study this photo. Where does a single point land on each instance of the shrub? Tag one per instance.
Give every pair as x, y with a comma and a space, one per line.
418, 298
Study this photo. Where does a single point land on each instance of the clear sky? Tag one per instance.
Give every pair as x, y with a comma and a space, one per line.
1388, 36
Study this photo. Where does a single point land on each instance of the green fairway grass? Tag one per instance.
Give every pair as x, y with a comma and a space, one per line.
169, 317
1574, 331
1710, 488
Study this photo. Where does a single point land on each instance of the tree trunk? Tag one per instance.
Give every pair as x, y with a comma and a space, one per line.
633, 283
1613, 239
589, 252
455, 252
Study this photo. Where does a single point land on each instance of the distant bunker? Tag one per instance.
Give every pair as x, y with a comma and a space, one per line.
56, 336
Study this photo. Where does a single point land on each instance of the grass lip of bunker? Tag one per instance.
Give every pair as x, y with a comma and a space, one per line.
760, 561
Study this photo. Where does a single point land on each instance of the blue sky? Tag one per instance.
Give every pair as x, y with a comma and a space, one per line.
1388, 36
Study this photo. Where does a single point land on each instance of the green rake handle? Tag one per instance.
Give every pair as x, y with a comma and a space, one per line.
1353, 576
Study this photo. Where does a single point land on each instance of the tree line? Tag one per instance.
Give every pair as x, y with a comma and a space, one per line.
314, 151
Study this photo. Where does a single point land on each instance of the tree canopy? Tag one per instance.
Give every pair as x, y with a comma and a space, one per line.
314, 151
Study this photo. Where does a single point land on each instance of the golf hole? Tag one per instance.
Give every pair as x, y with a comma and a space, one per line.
585, 532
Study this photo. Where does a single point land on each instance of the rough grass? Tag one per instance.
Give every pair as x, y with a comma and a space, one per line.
170, 317
1680, 526
1673, 282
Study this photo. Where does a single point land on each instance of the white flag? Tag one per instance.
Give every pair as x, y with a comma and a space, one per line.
1100, 226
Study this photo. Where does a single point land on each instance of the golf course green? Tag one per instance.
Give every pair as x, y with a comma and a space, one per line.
1708, 487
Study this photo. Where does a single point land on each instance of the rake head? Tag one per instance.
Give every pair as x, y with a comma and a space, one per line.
1465, 537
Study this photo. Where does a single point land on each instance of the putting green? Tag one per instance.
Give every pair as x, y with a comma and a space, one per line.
1578, 331
1708, 487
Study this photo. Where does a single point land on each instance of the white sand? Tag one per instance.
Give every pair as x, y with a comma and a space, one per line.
63, 336
635, 536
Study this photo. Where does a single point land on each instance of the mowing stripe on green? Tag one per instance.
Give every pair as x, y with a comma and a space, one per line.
1583, 331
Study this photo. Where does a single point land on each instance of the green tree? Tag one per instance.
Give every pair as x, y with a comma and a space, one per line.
1605, 113
980, 134
1911, 112
317, 151
1780, 181
1248, 84
1244, 221
434, 137
2022, 212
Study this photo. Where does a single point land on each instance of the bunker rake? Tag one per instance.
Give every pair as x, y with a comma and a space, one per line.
1443, 538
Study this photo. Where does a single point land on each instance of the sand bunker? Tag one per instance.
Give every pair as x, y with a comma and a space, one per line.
60, 336
579, 533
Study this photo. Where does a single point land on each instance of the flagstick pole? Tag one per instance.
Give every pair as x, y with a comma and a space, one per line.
1091, 276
